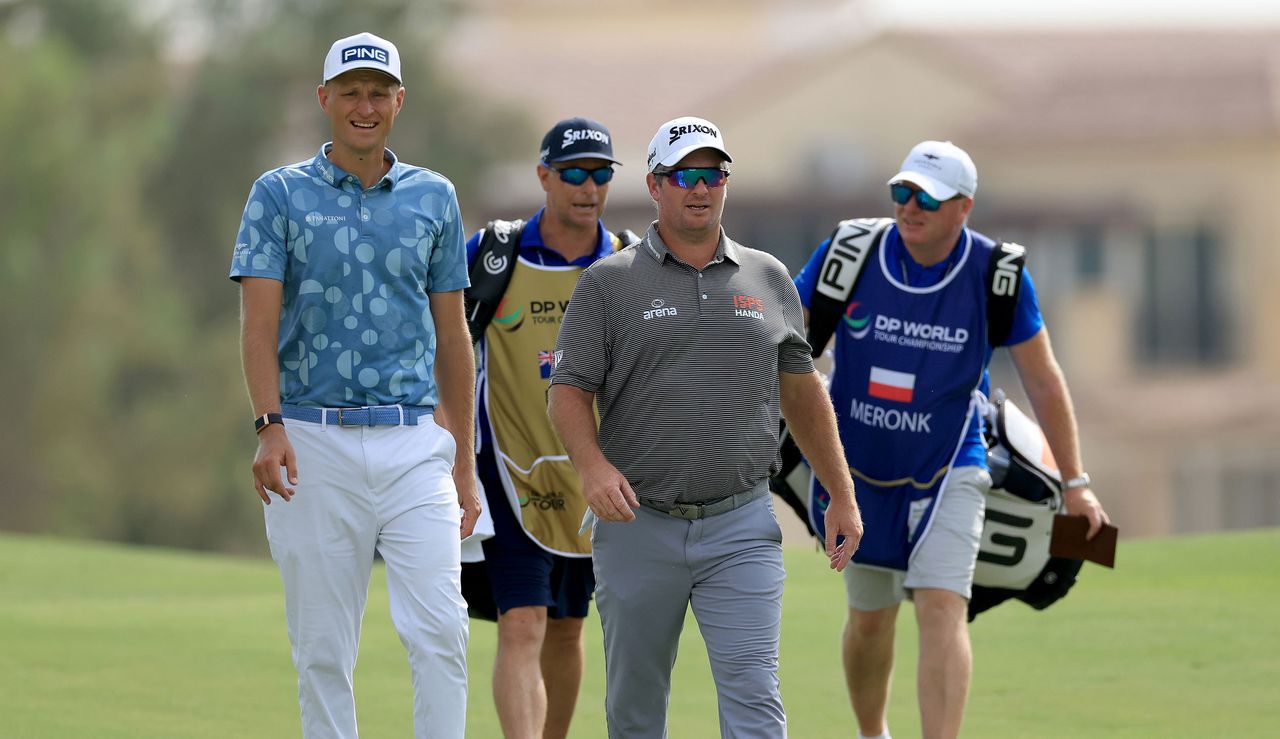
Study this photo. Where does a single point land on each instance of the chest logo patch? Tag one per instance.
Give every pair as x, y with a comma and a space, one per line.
659, 309
748, 306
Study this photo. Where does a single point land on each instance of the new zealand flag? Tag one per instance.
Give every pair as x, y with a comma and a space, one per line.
544, 365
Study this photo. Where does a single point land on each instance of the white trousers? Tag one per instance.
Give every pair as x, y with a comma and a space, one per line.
361, 488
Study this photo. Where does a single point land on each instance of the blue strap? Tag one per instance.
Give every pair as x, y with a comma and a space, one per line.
378, 415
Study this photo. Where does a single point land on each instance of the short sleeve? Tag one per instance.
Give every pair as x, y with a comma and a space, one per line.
260, 249
794, 353
808, 276
473, 246
1027, 320
582, 355
448, 269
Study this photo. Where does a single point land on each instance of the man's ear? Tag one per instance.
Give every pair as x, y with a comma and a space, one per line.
652, 182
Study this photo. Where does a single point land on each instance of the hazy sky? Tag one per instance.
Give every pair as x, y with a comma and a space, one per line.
1217, 14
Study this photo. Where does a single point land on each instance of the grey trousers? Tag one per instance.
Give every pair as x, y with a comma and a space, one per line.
729, 569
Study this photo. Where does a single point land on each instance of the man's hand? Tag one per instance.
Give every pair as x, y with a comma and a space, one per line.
843, 519
1082, 502
608, 493
468, 501
274, 452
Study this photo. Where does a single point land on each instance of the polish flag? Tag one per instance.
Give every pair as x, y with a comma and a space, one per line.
891, 385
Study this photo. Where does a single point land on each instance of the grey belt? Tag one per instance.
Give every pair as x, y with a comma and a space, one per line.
376, 415
695, 511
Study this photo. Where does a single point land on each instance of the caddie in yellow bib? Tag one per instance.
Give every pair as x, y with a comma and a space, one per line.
536, 578
539, 480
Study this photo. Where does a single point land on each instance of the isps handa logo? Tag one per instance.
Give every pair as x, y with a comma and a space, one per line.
552, 500
858, 325
508, 318
748, 306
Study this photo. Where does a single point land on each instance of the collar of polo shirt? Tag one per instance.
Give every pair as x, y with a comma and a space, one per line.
334, 175
727, 248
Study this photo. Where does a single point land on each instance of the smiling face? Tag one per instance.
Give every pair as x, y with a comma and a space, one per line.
693, 214
361, 105
574, 206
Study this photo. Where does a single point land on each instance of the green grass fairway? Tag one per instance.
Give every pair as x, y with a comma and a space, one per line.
100, 640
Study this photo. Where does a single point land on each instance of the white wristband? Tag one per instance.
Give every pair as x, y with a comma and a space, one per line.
1082, 481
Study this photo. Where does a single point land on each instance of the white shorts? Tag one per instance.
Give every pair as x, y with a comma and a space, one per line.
944, 559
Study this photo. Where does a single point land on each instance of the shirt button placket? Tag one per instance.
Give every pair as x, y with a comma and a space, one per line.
364, 224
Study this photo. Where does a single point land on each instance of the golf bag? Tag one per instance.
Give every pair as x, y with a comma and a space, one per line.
1026, 492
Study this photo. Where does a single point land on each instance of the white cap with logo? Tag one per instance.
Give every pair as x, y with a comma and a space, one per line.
676, 138
362, 51
941, 169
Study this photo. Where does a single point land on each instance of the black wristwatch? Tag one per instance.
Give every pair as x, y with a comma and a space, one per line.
265, 420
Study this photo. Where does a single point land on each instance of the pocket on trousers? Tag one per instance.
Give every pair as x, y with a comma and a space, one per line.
771, 527
446, 447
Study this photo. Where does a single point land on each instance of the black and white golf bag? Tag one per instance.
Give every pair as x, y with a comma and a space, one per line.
1026, 492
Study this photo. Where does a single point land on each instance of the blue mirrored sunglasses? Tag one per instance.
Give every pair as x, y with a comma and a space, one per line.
579, 175
902, 195
687, 178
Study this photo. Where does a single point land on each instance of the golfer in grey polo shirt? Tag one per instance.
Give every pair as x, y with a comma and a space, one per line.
691, 344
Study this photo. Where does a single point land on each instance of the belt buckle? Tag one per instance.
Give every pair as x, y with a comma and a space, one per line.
688, 511
342, 421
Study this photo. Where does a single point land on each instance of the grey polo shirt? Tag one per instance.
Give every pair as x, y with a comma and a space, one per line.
684, 365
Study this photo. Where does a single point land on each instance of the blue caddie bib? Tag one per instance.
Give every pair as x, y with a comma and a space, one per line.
909, 365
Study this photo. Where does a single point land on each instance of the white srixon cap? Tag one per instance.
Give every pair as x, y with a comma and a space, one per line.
362, 51
676, 138
941, 169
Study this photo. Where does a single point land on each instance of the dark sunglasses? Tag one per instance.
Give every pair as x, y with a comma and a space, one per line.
902, 195
579, 175
688, 178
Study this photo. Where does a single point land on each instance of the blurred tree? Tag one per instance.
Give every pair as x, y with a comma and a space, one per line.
78, 118
252, 105
127, 168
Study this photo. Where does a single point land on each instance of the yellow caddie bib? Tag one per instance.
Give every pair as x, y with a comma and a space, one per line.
539, 480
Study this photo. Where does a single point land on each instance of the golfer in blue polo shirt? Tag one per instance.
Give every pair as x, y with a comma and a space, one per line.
352, 267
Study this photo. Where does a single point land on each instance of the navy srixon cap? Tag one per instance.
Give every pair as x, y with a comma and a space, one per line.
577, 138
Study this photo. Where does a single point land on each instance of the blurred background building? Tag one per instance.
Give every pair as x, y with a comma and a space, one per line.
1133, 149
1135, 163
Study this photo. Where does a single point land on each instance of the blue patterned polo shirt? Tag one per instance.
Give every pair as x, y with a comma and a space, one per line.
357, 266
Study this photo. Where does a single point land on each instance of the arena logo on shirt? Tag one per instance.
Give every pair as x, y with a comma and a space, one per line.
659, 309
747, 306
